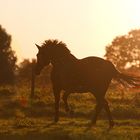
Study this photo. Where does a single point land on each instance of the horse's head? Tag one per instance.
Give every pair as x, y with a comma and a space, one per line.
51, 51
43, 59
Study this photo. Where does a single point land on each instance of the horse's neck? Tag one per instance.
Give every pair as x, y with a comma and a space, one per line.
72, 57
64, 60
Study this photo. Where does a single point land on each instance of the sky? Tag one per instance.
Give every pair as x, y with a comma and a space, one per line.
86, 26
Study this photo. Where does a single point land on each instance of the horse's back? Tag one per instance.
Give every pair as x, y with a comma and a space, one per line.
94, 60
94, 63
96, 67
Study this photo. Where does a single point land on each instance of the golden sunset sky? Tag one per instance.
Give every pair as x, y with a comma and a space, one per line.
86, 26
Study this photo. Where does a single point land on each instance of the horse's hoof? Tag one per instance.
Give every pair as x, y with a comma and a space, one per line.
91, 124
56, 120
71, 112
111, 125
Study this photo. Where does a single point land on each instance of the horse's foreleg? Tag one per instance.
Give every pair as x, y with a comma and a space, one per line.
57, 99
65, 98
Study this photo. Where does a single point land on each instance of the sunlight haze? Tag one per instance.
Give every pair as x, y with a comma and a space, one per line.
86, 26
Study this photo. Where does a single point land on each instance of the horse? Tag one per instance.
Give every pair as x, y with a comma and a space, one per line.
91, 74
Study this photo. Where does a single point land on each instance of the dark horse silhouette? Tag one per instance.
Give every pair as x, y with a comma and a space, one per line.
90, 74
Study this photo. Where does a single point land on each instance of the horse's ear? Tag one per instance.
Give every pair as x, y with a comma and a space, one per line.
38, 46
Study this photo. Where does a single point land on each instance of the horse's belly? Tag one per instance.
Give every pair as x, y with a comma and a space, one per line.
77, 85
77, 89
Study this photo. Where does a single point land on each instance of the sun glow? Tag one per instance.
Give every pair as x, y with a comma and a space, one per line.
133, 11
86, 26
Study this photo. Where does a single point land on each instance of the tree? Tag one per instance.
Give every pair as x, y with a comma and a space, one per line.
25, 69
124, 51
25, 72
7, 58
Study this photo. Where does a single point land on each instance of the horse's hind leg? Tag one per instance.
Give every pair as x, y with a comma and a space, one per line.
98, 109
102, 103
106, 107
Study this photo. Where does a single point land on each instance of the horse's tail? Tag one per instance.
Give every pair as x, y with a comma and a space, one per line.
125, 79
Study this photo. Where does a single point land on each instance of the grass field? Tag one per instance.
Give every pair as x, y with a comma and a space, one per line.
67, 129
22, 118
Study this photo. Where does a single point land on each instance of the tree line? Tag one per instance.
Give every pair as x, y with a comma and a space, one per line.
123, 52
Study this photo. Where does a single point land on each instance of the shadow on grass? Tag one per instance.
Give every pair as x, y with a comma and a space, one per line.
35, 137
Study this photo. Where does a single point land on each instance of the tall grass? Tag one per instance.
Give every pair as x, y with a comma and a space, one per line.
123, 106
23, 118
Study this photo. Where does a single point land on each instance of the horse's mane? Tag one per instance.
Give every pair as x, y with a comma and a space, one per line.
56, 45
